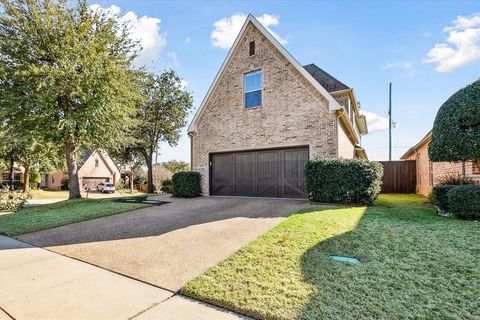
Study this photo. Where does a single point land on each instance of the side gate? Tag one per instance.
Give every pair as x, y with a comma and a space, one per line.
399, 176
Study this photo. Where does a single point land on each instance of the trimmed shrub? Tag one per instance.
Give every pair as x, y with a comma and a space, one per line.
167, 186
439, 196
456, 130
11, 201
464, 201
186, 184
343, 180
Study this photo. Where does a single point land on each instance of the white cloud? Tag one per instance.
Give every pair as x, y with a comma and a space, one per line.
174, 62
374, 121
187, 40
400, 65
145, 30
462, 45
226, 29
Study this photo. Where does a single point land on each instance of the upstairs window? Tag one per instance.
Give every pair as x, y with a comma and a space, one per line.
252, 84
96, 163
252, 48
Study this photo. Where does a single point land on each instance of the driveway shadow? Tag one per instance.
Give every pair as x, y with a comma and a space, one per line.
173, 214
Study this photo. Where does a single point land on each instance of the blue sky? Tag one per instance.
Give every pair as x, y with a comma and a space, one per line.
365, 44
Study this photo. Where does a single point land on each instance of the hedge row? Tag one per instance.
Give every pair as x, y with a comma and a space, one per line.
462, 201
343, 180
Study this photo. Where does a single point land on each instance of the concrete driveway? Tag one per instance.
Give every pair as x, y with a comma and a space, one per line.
168, 245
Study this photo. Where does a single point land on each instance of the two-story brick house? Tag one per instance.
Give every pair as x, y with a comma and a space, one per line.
265, 116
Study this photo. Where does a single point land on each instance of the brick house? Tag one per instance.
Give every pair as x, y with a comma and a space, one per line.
265, 116
94, 167
428, 172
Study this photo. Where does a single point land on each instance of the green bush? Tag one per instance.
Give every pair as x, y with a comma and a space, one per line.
343, 180
456, 130
439, 196
186, 184
464, 201
167, 186
11, 201
454, 179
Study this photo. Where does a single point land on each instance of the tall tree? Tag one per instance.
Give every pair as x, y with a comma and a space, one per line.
176, 165
66, 73
161, 117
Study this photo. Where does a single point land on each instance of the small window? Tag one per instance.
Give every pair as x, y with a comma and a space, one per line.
96, 163
253, 89
252, 48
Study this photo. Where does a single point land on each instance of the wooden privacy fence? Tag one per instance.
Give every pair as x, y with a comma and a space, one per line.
399, 176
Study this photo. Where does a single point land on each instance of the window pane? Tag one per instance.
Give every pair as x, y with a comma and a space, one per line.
253, 99
253, 81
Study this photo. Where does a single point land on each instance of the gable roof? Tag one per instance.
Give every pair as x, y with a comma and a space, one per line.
329, 82
332, 103
111, 166
422, 142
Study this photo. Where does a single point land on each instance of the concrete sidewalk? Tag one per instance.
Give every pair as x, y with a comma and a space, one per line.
39, 284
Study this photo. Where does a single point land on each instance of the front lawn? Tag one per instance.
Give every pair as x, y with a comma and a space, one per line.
35, 218
414, 264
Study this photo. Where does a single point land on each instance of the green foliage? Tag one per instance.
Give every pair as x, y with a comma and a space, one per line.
161, 116
186, 184
176, 166
439, 196
11, 201
454, 179
66, 74
464, 201
343, 180
140, 180
120, 184
167, 186
456, 130
35, 176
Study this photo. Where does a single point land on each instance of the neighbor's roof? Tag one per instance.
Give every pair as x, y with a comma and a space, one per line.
410, 151
329, 82
332, 103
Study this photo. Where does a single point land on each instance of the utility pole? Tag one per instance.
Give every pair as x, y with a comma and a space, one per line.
390, 122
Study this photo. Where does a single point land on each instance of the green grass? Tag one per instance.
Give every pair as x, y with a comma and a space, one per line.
36, 218
414, 265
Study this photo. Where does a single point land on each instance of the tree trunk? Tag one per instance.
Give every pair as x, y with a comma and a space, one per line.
149, 160
26, 178
131, 179
70, 147
11, 174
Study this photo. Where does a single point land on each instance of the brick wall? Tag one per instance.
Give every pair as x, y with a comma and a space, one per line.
293, 112
429, 172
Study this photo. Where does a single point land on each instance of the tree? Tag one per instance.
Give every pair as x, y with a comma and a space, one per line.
176, 165
161, 117
66, 74
160, 174
456, 130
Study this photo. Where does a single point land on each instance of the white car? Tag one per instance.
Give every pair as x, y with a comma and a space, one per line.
106, 187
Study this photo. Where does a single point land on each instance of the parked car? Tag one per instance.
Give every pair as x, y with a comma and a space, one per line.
106, 187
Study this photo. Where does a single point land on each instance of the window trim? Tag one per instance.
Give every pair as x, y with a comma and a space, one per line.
245, 91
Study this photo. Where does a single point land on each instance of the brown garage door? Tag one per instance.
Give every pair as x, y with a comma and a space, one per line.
263, 173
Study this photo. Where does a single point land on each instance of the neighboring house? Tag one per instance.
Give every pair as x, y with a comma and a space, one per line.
53, 181
265, 116
428, 172
94, 167
18, 176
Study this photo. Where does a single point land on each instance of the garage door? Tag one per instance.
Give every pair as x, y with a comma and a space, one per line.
265, 173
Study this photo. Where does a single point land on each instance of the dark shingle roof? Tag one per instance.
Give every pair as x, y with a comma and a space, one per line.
327, 81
